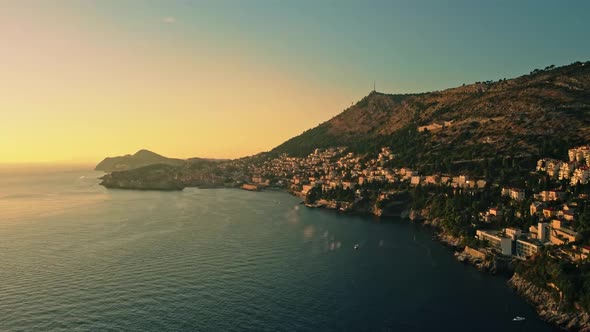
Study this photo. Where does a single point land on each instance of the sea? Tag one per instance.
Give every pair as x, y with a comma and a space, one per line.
75, 256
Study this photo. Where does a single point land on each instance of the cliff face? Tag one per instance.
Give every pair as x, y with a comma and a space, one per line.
549, 307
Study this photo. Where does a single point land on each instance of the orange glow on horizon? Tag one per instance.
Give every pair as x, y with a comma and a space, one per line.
73, 92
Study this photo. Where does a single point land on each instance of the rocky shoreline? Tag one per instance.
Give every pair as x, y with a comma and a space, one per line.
547, 307
550, 307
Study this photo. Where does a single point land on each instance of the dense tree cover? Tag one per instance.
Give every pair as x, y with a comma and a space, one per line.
308, 141
415, 149
338, 194
582, 220
406, 141
457, 208
571, 279
313, 195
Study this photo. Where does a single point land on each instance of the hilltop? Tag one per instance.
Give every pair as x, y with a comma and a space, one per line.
140, 159
541, 113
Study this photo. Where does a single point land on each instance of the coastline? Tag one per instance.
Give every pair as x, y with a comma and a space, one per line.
277, 216
549, 306
544, 302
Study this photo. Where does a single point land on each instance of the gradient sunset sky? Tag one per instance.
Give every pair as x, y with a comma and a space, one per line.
81, 80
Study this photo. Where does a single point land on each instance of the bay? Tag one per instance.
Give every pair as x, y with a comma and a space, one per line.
75, 256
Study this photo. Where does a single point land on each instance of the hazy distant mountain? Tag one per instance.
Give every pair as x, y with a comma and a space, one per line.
146, 170
140, 159
542, 113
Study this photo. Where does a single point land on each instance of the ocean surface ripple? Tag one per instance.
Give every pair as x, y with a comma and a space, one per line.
77, 257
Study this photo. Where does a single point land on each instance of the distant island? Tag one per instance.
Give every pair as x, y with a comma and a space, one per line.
500, 169
147, 170
140, 159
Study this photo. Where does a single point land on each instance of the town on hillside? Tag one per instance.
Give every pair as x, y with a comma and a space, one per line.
549, 213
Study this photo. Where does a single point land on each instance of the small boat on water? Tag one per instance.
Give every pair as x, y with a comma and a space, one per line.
518, 319
356, 246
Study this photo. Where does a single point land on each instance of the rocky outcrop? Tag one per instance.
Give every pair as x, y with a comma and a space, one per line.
482, 264
485, 261
415, 215
332, 205
432, 222
550, 307
250, 187
450, 240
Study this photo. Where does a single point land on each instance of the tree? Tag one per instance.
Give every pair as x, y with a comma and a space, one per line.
313, 195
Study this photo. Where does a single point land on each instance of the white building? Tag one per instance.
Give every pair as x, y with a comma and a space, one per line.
513, 233
580, 175
579, 153
526, 248
496, 240
514, 193
566, 170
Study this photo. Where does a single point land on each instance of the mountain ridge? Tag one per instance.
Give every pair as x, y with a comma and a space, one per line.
535, 114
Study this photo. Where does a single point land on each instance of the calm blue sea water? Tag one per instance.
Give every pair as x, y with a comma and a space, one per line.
77, 257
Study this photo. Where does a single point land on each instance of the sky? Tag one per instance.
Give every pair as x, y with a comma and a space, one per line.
82, 80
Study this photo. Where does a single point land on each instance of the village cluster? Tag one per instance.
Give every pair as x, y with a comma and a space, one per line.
554, 210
